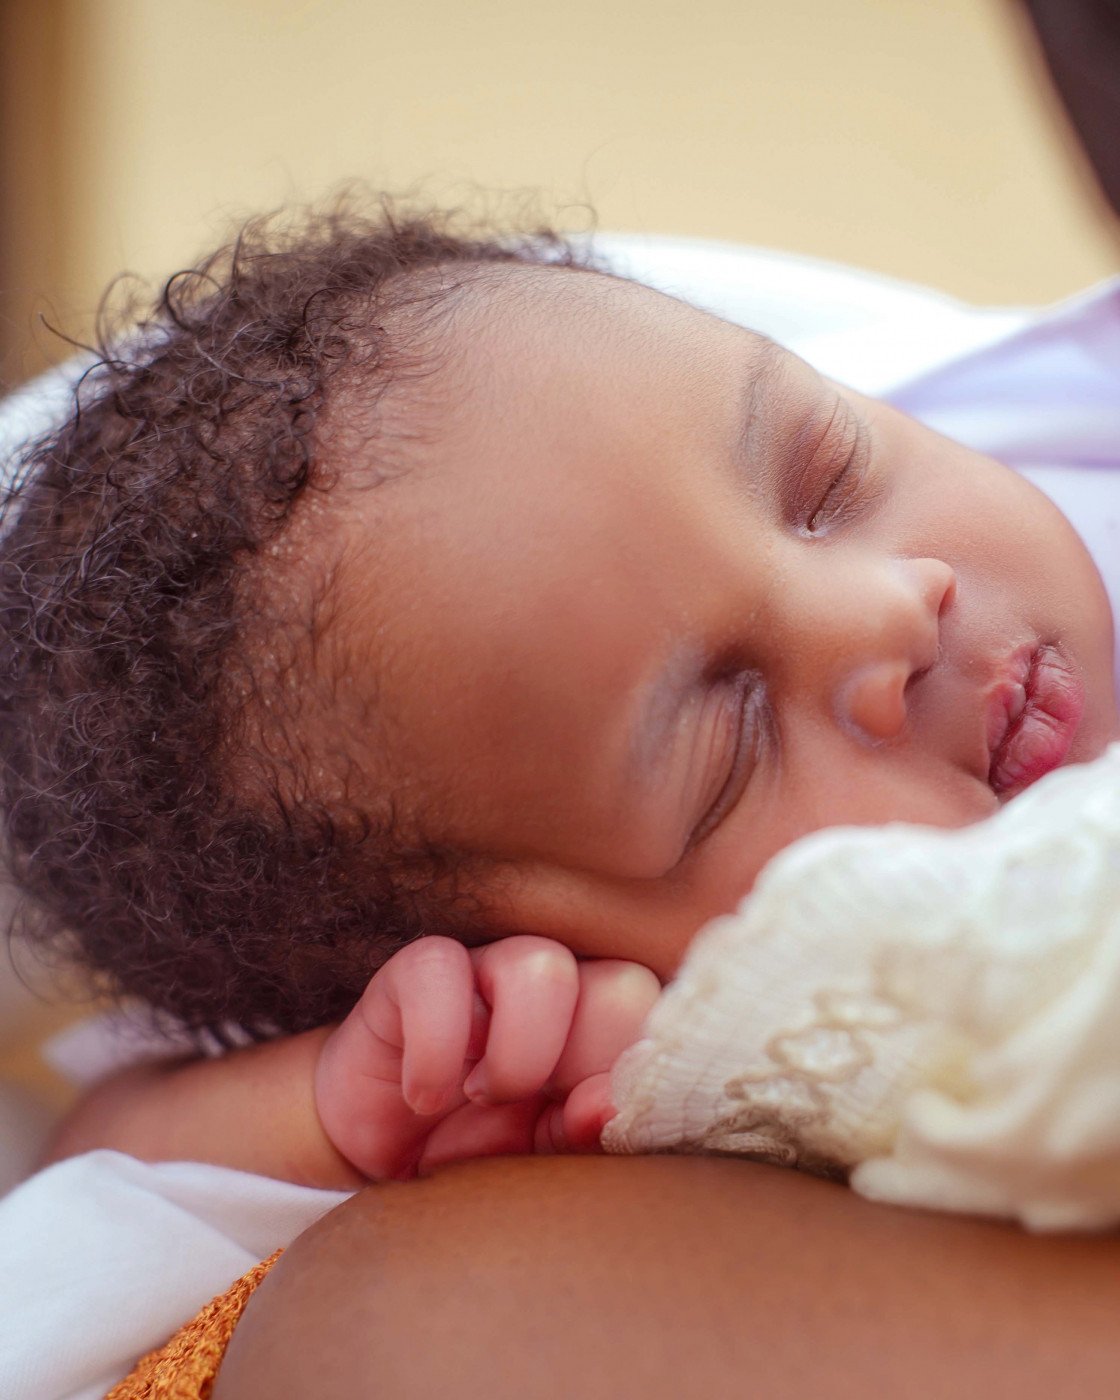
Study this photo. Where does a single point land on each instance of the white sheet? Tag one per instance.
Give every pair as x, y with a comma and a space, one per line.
104, 1258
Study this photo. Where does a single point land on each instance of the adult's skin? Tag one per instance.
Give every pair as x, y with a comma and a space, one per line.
670, 1277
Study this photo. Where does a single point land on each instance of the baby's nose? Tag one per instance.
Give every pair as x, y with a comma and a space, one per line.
898, 639
935, 584
873, 700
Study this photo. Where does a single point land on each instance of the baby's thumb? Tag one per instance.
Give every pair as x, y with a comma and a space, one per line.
576, 1125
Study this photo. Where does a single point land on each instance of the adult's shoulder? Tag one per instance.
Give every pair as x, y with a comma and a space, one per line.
658, 1277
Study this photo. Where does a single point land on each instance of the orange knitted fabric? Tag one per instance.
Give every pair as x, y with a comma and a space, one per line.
185, 1367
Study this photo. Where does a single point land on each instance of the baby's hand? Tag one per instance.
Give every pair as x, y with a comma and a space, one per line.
455, 1053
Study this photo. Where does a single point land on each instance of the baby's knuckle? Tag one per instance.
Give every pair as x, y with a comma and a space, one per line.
427, 953
620, 984
550, 964
537, 959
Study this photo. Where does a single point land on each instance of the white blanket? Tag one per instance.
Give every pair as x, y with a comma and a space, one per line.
104, 1258
937, 1010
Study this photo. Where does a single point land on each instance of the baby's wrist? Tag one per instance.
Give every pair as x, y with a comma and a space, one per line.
335, 1106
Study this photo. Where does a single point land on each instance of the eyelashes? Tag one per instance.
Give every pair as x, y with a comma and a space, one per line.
827, 478
831, 490
826, 506
744, 755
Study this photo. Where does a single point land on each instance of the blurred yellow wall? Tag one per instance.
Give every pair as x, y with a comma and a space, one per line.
912, 136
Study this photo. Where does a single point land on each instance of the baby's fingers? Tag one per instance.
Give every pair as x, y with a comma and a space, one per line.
615, 998
531, 985
427, 1010
477, 1131
577, 1124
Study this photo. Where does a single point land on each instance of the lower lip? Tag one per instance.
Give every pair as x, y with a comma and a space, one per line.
1040, 739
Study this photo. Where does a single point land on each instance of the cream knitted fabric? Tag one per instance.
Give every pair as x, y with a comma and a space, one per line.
937, 1010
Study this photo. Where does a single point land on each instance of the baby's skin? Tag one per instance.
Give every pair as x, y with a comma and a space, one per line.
450, 1054
679, 602
453, 1054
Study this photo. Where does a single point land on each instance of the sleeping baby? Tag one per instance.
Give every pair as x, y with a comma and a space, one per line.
406, 583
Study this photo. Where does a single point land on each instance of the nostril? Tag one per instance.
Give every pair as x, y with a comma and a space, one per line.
872, 702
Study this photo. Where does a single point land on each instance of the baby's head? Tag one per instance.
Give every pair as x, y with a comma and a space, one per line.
414, 584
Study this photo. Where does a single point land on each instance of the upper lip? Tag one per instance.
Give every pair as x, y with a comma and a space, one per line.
1006, 696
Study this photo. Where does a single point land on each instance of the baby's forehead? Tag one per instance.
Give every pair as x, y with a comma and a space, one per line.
553, 387
529, 340
539, 364
526, 299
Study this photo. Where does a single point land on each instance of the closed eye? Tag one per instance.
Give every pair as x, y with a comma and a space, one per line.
843, 483
742, 757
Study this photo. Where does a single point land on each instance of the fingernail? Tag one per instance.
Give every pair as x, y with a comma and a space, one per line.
426, 1102
476, 1086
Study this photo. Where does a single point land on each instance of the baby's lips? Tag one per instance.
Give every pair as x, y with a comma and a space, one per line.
1041, 735
1008, 695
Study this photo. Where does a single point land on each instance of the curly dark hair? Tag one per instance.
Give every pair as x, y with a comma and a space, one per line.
133, 586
